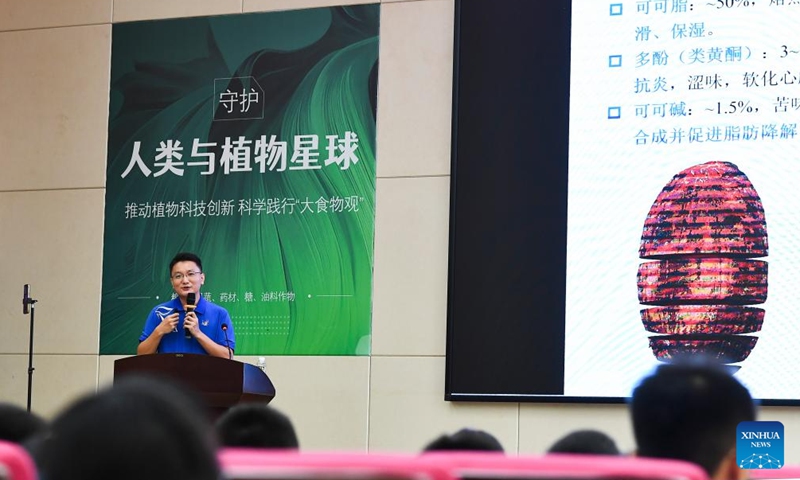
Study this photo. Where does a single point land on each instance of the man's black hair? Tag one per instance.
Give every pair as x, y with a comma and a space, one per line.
466, 439
141, 428
689, 411
585, 441
185, 257
257, 426
18, 425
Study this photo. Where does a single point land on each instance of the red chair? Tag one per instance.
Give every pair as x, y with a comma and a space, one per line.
15, 463
481, 466
788, 471
255, 464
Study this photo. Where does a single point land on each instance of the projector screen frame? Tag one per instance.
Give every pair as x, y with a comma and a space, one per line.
506, 359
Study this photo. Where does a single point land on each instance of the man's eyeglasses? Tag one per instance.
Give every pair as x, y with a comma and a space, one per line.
178, 277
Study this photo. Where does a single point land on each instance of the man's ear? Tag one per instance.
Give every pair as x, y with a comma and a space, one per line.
728, 469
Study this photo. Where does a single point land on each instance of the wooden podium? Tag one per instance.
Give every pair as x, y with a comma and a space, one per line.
221, 383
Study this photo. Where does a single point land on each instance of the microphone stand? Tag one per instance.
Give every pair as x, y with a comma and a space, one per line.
30, 301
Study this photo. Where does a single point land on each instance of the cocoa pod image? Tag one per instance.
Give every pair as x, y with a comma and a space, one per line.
702, 238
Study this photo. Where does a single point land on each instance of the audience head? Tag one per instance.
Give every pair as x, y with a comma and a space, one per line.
18, 425
585, 441
256, 425
690, 411
465, 439
141, 428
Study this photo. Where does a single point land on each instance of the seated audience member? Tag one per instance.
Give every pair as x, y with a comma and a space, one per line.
690, 411
18, 425
465, 439
256, 425
585, 441
139, 429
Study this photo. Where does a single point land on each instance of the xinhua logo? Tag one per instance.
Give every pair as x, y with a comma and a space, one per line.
759, 445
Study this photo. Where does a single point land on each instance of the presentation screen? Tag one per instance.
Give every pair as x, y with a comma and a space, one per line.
623, 194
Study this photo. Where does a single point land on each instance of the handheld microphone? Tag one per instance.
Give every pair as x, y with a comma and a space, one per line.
227, 342
191, 300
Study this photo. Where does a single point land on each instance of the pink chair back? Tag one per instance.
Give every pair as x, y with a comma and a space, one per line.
255, 464
15, 463
482, 466
787, 472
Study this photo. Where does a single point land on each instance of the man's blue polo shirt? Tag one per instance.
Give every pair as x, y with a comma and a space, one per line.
210, 316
